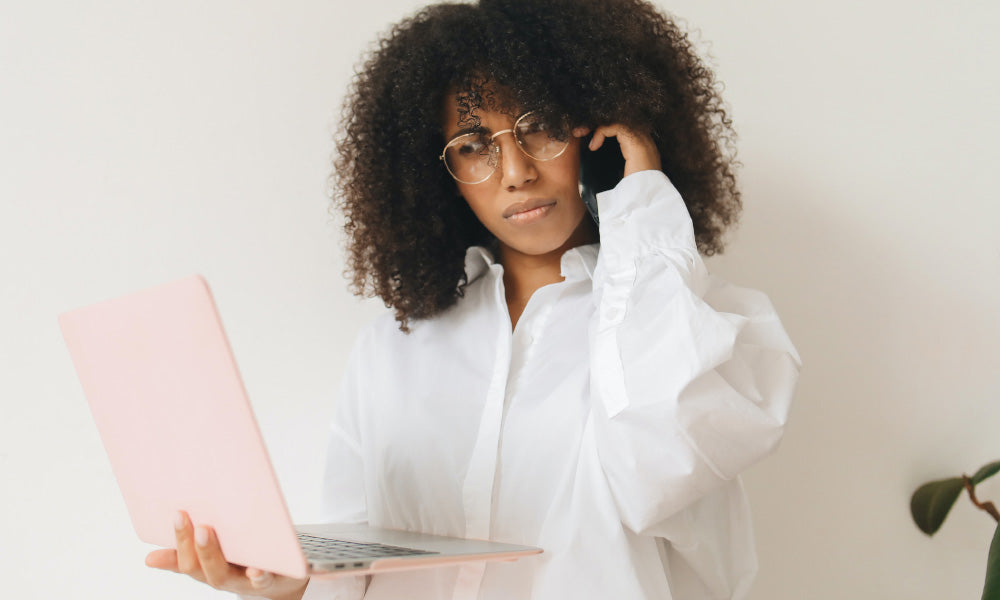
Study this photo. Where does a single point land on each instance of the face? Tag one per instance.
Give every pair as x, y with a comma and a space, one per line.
533, 207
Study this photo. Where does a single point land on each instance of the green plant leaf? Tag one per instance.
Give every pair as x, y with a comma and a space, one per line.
986, 472
930, 504
992, 589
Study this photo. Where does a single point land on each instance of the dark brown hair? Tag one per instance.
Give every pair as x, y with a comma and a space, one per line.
594, 62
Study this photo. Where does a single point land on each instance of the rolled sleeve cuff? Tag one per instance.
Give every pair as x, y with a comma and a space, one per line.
645, 210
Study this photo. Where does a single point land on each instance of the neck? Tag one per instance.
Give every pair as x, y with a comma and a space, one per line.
523, 274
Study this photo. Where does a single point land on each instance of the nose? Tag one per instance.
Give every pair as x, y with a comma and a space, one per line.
516, 168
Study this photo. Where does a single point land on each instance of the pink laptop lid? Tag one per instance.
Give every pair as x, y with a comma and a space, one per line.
170, 406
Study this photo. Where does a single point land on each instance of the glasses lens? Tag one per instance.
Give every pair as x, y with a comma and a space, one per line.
469, 158
542, 141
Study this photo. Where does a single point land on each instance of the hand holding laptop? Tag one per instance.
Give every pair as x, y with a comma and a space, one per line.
198, 555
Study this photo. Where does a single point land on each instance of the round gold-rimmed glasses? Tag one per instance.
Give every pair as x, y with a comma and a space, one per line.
472, 157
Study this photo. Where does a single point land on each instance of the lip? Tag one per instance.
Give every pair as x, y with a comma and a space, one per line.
528, 210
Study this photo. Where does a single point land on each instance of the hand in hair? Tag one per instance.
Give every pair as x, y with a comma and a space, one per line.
638, 148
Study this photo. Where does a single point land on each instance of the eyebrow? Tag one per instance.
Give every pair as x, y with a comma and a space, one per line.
466, 131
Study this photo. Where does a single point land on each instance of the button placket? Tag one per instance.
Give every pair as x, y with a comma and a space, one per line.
480, 479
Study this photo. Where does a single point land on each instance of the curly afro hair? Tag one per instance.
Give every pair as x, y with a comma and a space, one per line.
592, 62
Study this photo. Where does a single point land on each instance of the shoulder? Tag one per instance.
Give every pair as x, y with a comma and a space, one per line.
382, 336
376, 335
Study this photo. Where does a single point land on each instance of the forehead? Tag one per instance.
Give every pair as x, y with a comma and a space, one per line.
483, 107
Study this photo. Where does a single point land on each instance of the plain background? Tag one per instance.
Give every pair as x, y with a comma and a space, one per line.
143, 142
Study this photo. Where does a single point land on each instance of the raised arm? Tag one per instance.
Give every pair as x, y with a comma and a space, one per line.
691, 377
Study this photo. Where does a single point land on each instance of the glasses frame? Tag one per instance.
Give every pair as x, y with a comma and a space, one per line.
495, 154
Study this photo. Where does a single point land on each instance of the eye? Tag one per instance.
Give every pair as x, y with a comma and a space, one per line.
529, 126
532, 127
472, 145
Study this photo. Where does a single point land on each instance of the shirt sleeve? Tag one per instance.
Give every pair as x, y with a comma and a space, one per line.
691, 377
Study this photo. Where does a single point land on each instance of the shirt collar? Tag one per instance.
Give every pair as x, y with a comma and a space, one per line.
478, 260
576, 263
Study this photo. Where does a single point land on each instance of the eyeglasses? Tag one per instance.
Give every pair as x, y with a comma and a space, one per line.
472, 157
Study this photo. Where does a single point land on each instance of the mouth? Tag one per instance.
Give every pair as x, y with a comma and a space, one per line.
531, 210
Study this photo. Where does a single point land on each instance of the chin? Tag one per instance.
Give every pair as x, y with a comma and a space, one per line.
537, 249
541, 245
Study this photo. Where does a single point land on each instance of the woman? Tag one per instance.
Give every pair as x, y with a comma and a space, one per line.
586, 388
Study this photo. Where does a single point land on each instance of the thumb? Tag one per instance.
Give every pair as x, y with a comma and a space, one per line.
259, 579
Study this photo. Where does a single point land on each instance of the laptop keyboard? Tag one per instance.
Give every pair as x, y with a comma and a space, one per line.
317, 548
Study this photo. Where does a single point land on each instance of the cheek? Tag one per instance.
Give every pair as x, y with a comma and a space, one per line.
569, 180
477, 201
567, 168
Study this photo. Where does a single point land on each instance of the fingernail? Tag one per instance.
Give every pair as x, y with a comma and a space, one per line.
201, 536
179, 520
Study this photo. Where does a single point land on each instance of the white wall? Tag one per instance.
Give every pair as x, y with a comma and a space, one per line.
144, 142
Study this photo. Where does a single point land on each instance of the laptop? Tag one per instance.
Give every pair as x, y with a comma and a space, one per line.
170, 406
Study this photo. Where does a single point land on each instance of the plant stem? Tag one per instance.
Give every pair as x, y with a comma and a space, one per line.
987, 506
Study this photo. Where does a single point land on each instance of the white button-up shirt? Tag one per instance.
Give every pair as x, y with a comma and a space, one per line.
608, 428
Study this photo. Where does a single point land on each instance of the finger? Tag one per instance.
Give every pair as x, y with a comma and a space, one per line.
638, 149
162, 559
632, 139
216, 569
581, 131
259, 579
187, 557
598, 140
